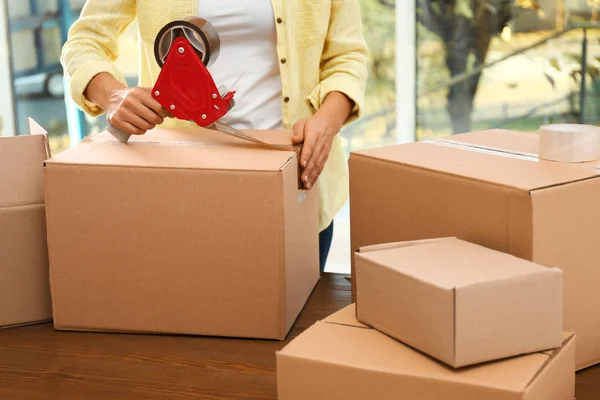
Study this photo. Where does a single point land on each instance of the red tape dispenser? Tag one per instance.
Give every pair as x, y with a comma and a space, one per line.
184, 50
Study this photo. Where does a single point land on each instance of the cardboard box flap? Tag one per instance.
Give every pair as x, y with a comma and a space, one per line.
36, 129
196, 148
509, 169
452, 263
368, 349
21, 168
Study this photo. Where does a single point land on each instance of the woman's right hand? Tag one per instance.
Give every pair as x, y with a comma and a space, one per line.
134, 110
131, 109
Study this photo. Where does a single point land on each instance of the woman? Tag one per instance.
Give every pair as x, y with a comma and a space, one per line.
297, 65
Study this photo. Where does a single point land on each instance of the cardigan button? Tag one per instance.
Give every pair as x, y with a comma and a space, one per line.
286, 99
283, 60
279, 20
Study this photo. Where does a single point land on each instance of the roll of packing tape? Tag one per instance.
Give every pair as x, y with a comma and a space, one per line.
201, 34
571, 143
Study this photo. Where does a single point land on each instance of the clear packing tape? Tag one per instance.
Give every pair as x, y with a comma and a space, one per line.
572, 143
297, 149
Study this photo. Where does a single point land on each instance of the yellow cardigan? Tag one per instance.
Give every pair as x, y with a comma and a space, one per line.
321, 42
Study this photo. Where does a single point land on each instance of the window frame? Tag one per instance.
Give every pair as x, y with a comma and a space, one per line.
7, 97
406, 71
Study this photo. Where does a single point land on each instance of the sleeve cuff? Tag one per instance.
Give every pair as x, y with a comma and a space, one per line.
82, 78
344, 83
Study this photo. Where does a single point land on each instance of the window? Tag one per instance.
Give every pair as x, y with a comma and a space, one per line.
505, 64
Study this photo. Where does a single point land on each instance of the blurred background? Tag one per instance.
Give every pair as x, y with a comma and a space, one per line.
437, 67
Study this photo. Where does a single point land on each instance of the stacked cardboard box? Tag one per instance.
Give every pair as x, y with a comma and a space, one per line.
341, 359
180, 231
438, 319
489, 188
24, 289
459, 302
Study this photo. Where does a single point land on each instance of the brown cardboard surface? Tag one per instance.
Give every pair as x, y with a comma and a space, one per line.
505, 318
207, 240
459, 302
195, 148
24, 287
300, 221
21, 181
537, 210
566, 234
550, 382
345, 316
340, 361
411, 310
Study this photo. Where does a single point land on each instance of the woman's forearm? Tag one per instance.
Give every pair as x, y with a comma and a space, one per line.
337, 107
100, 87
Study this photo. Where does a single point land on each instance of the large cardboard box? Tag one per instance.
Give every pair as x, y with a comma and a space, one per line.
459, 302
489, 188
24, 287
180, 231
341, 359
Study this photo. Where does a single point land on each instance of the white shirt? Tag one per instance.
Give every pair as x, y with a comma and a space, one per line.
248, 61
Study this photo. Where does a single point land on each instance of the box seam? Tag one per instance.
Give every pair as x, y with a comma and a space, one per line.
510, 228
468, 146
288, 161
348, 325
51, 280
548, 361
29, 205
282, 261
454, 328
86, 140
564, 183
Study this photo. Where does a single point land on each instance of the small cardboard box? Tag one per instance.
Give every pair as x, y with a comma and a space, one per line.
341, 359
180, 231
459, 302
489, 188
24, 287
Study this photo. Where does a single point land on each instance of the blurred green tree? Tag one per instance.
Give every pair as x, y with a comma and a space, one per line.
379, 24
465, 28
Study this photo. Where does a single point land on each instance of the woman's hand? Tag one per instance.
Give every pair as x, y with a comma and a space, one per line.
317, 134
133, 110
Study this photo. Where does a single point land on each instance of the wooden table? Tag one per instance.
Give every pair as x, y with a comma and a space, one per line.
38, 363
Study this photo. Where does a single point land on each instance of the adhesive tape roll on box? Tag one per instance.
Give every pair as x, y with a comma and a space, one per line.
569, 142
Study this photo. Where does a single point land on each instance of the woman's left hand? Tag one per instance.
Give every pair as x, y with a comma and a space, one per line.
317, 134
